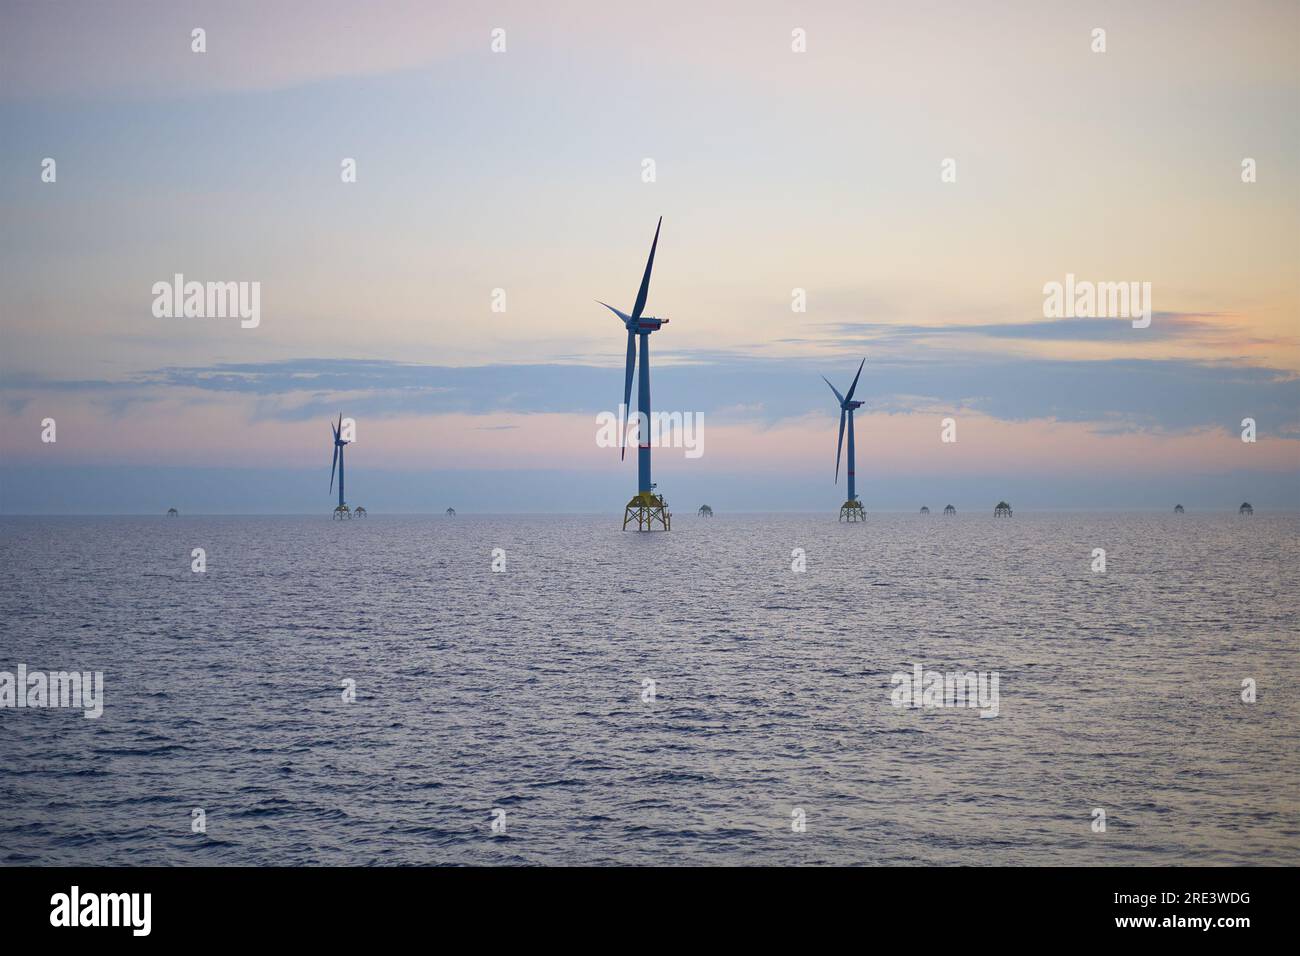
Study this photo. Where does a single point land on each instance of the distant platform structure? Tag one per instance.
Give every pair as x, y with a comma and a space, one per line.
359, 512
1245, 509
1003, 510
1178, 509
949, 510
172, 512
924, 510
451, 512
706, 511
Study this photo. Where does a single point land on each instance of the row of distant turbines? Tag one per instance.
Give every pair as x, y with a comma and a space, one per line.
648, 510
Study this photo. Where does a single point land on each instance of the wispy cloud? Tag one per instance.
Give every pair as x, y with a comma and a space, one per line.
1114, 394
1164, 325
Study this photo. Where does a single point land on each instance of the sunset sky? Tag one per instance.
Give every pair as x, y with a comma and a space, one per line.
522, 170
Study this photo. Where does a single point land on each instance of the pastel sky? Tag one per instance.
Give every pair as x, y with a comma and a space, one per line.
522, 171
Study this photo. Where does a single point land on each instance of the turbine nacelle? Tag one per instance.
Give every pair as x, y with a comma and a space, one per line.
338, 432
646, 323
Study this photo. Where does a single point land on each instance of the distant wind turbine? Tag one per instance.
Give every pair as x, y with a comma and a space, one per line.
852, 509
647, 509
342, 510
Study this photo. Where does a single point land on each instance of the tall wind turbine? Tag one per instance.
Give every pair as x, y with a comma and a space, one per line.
851, 510
646, 508
342, 510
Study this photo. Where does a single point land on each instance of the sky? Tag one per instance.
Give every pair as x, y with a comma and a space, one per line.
523, 171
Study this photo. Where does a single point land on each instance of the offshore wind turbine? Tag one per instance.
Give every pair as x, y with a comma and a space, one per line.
646, 508
852, 509
342, 510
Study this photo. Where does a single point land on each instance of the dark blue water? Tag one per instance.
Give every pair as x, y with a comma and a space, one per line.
522, 691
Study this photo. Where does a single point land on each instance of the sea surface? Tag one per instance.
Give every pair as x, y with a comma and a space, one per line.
525, 691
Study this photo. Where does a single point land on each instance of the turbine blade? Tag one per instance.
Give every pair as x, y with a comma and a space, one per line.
333, 466
645, 279
627, 389
623, 316
839, 448
855, 380
838, 396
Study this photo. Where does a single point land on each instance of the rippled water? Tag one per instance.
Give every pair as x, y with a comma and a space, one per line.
522, 690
